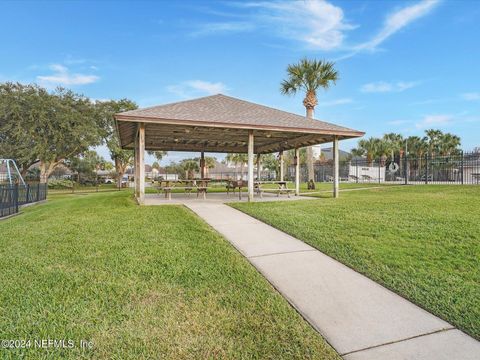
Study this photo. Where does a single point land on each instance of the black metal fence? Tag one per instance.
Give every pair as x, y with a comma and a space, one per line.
462, 168
14, 196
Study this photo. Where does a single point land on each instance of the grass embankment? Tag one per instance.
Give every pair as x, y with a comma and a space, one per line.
423, 242
140, 282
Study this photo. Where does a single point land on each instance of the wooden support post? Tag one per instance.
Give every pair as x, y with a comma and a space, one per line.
335, 167
258, 167
297, 171
202, 165
141, 163
250, 165
136, 183
281, 166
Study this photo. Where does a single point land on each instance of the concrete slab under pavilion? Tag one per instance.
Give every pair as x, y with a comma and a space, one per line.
224, 124
216, 198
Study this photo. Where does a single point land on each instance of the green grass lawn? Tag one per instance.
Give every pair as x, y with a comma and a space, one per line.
422, 242
140, 282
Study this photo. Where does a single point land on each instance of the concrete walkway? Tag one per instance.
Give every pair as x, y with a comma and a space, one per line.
358, 317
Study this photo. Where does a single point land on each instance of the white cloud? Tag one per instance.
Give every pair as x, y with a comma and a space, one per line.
62, 76
471, 96
383, 86
316, 23
397, 21
222, 28
336, 102
194, 88
434, 120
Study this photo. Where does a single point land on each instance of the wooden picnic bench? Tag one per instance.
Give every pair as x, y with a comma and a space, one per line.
201, 185
236, 184
281, 190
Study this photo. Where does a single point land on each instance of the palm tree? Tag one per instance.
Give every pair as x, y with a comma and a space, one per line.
393, 143
210, 163
358, 152
371, 148
433, 139
416, 146
237, 158
309, 76
190, 166
449, 144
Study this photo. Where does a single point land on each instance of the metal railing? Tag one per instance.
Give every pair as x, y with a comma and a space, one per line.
14, 196
461, 168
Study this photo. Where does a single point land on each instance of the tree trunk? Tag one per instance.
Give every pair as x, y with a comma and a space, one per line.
309, 160
120, 170
46, 169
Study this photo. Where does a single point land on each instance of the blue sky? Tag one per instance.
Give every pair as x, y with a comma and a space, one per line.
404, 65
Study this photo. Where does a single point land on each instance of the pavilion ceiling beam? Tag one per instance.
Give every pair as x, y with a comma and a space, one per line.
291, 143
180, 147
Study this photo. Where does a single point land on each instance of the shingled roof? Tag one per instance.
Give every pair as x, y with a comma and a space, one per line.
230, 111
224, 112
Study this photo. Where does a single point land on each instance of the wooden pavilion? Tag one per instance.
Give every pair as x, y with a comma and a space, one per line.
224, 124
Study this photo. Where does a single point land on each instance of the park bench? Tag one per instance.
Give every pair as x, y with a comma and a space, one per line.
282, 188
187, 185
367, 178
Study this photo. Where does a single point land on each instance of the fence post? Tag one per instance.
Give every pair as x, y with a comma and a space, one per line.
461, 173
38, 191
405, 165
426, 169
356, 170
15, 195
379, 172
27, 191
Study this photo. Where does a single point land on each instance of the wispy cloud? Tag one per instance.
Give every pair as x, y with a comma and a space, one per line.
192, 88
473, 96
397, 21
434, 120
383, 86
62, 76
336, 102
317, 23
222, 28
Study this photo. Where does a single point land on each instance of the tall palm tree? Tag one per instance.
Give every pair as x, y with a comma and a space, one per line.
449, 144
371, 148
190, 166
393, 143
433, 138
357, 152
309, 76
237, 159
416, 146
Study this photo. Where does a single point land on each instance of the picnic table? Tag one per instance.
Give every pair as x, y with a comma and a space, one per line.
282, 187
236, 184
200, 185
